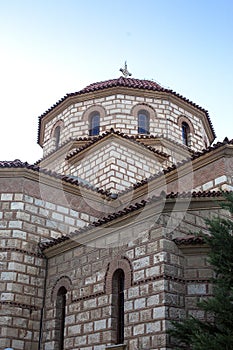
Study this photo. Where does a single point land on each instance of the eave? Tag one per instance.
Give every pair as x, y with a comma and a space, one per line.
133, 220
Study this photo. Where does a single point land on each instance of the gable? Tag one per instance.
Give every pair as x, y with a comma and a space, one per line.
115, 164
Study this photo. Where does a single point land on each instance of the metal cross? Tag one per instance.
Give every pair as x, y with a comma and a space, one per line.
125, 71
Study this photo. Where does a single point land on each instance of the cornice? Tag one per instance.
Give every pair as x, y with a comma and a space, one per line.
176, 172
133, 144
146, 140
53, 182
129, 220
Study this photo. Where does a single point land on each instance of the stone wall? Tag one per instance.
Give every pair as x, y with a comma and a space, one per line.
162, 284
30, 213
114, 166
119, 114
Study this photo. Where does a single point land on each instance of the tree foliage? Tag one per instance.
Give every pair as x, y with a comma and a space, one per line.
194, 334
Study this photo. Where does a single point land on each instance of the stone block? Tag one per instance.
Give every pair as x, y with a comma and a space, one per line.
6, 196
153, 327
159, 312
140, 263
133, 317
98, 325
74, 330
140, 303
81, 340
152, 300
17, 206
138, 329
197, 289
133, 292
88, 327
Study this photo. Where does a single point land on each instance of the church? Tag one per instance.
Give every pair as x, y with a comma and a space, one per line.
98, 250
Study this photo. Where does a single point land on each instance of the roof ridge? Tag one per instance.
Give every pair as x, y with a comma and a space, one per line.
114, 132
136, 136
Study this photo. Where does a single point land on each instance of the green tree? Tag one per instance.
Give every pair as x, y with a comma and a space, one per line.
194, 334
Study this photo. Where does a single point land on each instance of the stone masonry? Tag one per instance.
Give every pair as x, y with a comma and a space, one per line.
97, 247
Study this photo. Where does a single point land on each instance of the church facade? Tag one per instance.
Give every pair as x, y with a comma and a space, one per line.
97, 238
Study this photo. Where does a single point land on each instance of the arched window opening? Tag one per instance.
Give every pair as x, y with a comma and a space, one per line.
118, 282
185, 133
60, 318
143, 122
94, 128
57, 133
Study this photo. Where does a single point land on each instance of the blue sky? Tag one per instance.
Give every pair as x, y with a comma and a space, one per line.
53, 47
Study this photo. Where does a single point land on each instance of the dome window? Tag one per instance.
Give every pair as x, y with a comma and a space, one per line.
94, 126
143, 122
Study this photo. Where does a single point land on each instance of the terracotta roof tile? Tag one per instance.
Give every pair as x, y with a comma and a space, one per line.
130, 209
131, 83
125, 82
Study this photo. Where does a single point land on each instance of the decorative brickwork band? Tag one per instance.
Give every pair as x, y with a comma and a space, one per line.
96, 108
20, 305
183, 119
120, 263
59, 123
145, 107
65, 282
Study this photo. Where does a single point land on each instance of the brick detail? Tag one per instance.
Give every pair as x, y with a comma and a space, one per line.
63, 281
145, 107
182, 119
58, 123
96, 108
118, 263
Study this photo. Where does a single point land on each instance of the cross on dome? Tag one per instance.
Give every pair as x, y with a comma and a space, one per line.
125, 71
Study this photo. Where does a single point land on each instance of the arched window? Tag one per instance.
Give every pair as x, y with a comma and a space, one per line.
118, 281
143, 122
60, 318
94, 127
57, 133
185, 133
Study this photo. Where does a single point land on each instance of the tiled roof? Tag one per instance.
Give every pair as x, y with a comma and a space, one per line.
130, 83
193, 156
125, 82
18, 164
131, 137
113, 132
130, 209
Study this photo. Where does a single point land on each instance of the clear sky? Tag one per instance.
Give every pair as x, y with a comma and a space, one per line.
53, 47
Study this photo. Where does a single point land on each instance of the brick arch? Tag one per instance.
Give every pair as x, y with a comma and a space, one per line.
118, 263
63, 281
96, 108
60, 123
182, 119
143, 106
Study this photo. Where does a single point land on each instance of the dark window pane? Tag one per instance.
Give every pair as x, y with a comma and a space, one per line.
118, 305
185, 133
60, 318
57, 132
143, 123
94, 125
